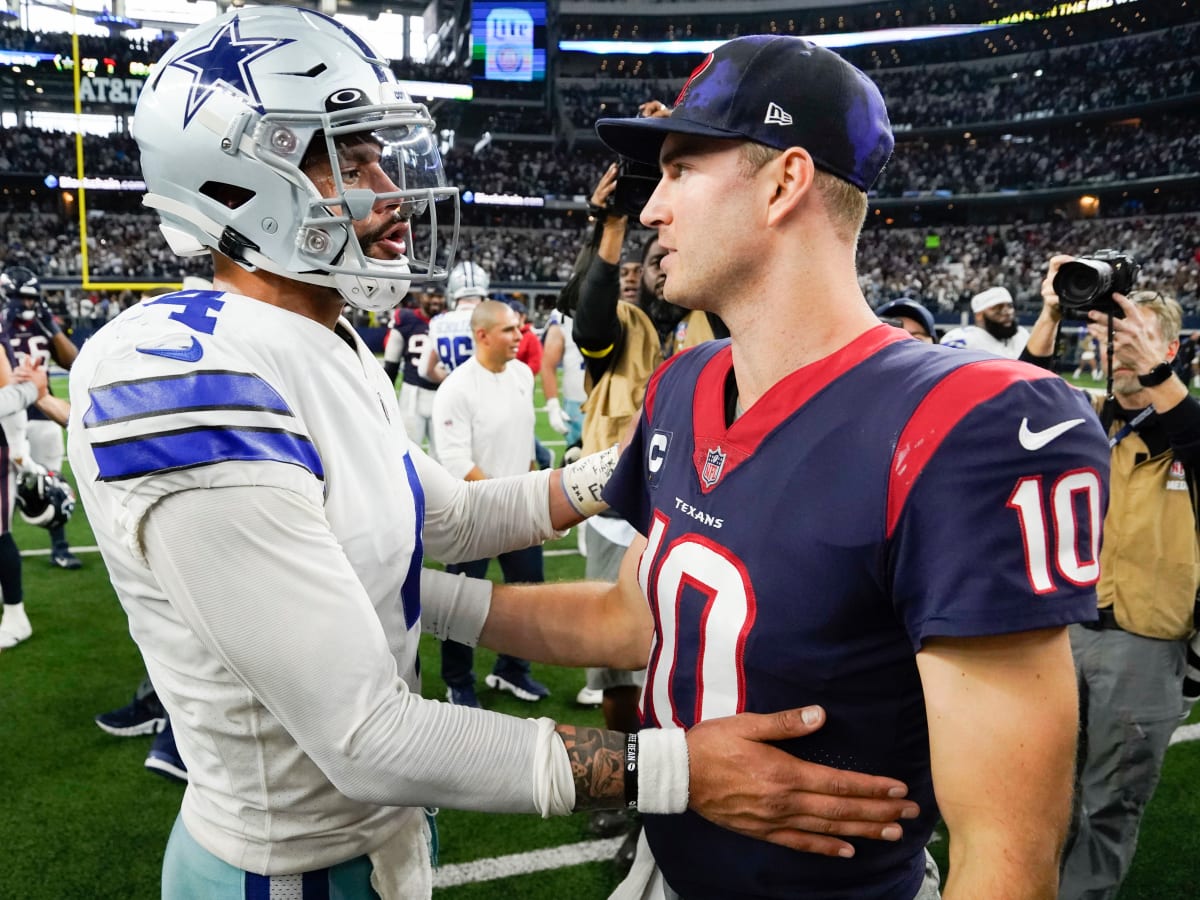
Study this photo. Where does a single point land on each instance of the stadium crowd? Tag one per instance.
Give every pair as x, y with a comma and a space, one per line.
1135, 70
893, 261
1156, 147
539, 245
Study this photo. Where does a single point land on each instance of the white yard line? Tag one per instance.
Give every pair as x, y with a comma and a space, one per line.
526, 863
74, 549
1185, 733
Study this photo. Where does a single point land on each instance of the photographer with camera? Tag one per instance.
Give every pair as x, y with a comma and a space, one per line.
1130, 663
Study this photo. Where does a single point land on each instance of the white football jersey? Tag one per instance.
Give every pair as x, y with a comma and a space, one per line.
972, 337
450, 334
262, 515
201, 389
572, 360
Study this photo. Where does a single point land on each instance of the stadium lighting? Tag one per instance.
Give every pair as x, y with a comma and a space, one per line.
114, 23
851, 39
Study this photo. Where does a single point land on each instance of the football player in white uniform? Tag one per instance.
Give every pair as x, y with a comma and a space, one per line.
565, 415
263, 515
451, 340
996, 329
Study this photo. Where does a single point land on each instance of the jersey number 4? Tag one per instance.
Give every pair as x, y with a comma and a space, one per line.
1072, 550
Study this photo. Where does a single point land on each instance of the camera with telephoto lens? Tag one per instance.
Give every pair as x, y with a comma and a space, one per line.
635, 183
1089, 282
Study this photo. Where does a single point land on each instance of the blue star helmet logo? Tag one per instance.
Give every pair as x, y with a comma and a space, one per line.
225, 60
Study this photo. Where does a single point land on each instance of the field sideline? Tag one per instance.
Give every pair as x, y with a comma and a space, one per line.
82, 818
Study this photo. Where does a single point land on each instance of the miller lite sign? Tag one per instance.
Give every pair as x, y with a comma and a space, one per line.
509, 43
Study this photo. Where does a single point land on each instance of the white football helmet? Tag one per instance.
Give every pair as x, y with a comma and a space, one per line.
467, 279
236, 107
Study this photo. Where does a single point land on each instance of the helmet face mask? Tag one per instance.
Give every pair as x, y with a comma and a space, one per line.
273, 135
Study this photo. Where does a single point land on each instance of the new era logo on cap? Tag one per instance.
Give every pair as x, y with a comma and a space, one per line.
776, 115
778, 91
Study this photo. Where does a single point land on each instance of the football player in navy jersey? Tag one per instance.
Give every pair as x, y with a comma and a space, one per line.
20, 386
406, 344
34, 333
832, 512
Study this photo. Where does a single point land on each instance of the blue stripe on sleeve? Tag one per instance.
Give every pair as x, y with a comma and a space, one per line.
192, 447
410, 593
195, 391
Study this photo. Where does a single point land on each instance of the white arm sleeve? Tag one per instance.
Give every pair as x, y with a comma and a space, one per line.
15, 397
454, 607
466, 520
258, 577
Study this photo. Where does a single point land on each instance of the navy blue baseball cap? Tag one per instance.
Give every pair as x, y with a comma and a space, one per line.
906, 307
779, 91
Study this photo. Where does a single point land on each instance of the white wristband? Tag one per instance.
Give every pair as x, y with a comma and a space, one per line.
454, 607
583, 480
553, 783
663, 772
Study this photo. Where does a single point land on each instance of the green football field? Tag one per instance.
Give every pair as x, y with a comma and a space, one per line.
81, 818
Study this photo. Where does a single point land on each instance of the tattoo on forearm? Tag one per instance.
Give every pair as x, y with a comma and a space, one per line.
595, 756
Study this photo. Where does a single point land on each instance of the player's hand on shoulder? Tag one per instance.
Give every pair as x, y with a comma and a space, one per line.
739, 781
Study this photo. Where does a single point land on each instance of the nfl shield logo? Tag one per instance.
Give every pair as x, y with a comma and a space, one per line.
714, 462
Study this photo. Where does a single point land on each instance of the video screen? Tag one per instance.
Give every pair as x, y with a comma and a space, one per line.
508, 41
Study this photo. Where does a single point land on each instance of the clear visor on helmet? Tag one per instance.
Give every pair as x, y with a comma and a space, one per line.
399, 163
374, 177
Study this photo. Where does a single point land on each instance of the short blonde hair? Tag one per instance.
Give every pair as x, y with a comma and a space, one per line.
846, 204
1169, 312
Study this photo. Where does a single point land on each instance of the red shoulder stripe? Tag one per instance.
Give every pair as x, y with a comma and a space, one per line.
950, 400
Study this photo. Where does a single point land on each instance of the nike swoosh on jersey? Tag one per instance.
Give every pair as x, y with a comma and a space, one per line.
1036, 440
190, 353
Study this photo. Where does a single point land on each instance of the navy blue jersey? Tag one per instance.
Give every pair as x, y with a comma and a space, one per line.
889, 493
412, 327
27, 340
